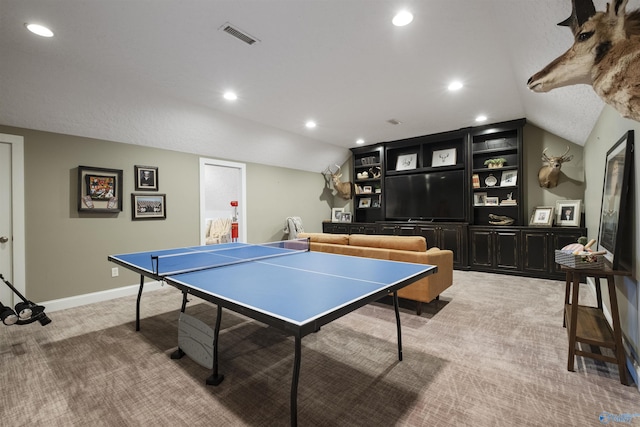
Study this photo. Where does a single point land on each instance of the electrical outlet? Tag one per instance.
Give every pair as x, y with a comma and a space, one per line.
114, 272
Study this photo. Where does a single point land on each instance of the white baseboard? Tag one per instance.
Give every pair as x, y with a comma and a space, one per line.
78, 300
632, 364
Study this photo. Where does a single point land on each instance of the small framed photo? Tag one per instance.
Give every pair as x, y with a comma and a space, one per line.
568, 213
509, 178
365, 202
542, 217
99, 189
336, 214
146, 178
407, 162
148, 206
479, 199
476, 180
367, 189
443, 157
491, 201
345, 217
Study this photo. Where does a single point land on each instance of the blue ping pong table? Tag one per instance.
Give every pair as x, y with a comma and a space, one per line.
281, 284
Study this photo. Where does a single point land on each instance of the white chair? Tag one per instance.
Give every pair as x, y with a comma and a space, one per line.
293, 226
218, 231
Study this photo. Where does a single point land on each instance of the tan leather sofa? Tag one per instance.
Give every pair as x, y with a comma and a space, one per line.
394, 248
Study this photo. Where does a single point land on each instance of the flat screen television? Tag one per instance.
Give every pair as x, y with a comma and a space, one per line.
435, 196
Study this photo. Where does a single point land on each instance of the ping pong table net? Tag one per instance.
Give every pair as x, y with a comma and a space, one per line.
207, 257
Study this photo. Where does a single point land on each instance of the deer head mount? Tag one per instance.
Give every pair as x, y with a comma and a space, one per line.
344, 189
605, 55
549, 173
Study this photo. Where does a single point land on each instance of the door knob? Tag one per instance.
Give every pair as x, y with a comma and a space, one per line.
4, 239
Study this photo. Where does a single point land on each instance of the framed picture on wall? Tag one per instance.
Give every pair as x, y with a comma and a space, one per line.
148, 206
613, 211
99, 189
443, 157
146, 178
336, 214
407, 162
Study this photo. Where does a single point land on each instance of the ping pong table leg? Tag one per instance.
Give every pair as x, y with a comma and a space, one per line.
395, 306
216, 378
294, 381
138, 303
179, 353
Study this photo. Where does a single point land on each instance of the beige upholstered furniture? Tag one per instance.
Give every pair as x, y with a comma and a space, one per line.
394, 248
218, 231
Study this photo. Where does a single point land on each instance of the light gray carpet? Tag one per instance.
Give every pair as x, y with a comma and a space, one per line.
491, 352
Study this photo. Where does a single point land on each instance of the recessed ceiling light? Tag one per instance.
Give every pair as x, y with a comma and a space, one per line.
360, 141
481, 118
230, 96
455, 85
310, 124
39, 30
402, 18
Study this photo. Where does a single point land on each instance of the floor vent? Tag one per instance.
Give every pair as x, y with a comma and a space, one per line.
239, 34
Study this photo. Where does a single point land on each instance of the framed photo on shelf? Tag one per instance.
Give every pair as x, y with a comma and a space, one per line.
509, 178
345, 217
613, 211
476, 180
336, 214
568, 213
367, 189
542, 217
146, 178
148, 206
491, 201
99, 189
407, 162
479, 199
443, 157
365, 202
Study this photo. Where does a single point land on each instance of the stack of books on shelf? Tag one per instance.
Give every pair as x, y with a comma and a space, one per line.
508, 202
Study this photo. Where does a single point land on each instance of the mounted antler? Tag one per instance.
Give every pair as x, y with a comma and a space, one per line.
344, 189
549, 173
605, 54
581, 11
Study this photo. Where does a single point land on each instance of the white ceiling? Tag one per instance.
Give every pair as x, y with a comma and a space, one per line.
152, 72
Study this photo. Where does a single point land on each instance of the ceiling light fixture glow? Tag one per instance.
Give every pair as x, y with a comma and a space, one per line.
402, 18
360, 141
230, 96
310, 124
39, 30
455, 85
481, 118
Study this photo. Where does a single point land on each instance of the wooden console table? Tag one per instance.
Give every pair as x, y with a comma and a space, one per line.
588, 324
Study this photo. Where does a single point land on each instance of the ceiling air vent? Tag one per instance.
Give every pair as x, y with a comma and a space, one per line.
239, 34
394, 121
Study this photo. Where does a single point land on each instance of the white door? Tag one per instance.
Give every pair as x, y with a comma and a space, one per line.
222, 182
12, 244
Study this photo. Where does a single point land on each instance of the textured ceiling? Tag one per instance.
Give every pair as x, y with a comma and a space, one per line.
153, 72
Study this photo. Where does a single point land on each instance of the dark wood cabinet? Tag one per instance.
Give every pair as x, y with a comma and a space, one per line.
494, 249
539, 245
368, 171
349, 228
447, 236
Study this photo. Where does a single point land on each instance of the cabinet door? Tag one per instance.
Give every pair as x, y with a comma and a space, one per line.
481, 248
454, 238
431, 234
536, 252
387, 229
507, 250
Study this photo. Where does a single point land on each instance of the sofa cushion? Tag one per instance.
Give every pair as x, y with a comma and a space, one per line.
403, 243
337, 239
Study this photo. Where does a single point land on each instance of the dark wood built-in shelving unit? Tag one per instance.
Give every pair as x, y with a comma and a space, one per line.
385, 174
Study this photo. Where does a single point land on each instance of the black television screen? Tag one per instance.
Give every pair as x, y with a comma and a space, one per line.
428, 196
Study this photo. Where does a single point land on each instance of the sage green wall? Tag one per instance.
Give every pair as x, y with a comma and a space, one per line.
609, 128
66, 252
571, 183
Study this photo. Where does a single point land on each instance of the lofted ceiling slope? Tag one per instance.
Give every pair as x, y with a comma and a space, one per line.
153, 73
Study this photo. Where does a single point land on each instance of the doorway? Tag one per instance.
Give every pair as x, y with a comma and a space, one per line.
222, 182
12, 232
